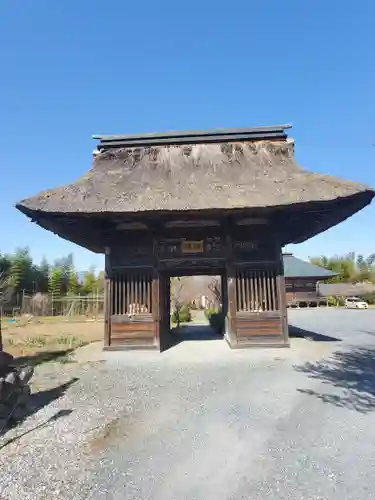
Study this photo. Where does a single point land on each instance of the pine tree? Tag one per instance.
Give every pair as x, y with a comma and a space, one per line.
90, 283
72, 282
44, 272
21, 270
55, 284
6, 292
66, 264
5, 263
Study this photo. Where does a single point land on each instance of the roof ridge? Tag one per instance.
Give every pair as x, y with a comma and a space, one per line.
193, 136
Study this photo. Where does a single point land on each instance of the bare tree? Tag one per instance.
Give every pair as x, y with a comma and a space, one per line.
215, 289
6, 292
176, 298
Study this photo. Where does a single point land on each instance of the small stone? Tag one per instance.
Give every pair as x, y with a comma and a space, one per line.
11, 378
26, 374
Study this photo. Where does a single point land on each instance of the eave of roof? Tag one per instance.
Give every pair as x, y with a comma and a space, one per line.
297, 268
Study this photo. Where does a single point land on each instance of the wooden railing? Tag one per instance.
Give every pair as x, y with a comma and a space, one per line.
131, 295
256, 291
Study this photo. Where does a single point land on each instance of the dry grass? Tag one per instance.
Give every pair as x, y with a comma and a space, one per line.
106, 435
49, 336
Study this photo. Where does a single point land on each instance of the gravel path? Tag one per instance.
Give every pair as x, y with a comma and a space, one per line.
203, 422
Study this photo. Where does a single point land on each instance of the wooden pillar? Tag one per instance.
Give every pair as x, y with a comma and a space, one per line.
230, 332
232, 308
107, 302
283, 302
107, 312
156, 309
162, 321
224, 293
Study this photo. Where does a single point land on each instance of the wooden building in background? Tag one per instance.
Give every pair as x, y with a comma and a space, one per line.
301, 281
220, 202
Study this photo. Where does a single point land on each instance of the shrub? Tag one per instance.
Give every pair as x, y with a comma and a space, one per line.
217, 321
335, 301
182, 315
209, 312
185, 314
368, 297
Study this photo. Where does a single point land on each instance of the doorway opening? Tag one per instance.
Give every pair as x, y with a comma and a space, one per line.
193, 308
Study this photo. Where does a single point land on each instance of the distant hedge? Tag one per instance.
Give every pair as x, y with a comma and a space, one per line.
368, 297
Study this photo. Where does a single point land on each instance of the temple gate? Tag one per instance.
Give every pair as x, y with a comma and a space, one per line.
221, 202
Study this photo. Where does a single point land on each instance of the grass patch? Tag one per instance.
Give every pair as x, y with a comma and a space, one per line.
42, 349
68, 340
37, 341
51, 341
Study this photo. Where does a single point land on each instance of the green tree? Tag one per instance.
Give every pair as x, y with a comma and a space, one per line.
90, 284
22, 271
5, 263
72, 282
365, 265
349, 268
66, 264
43, 276
6, 292
56, 283
101, 281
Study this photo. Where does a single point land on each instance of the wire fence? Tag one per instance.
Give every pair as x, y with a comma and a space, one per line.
50, 305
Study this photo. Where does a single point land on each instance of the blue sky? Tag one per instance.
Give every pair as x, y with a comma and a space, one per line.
77, 68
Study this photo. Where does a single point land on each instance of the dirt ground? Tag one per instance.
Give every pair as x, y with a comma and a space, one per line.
42, 339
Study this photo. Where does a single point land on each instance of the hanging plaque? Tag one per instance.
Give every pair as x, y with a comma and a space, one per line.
192, 246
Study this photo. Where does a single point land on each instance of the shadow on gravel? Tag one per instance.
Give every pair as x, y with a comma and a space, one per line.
56, 416
43, 357
352, 373
295, 332
195, 332
187, 333
36, 402
367, 332
42, 398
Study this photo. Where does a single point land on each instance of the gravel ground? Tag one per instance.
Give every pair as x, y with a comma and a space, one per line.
203, 422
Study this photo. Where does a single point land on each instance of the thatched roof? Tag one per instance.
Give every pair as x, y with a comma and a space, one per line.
221, 170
